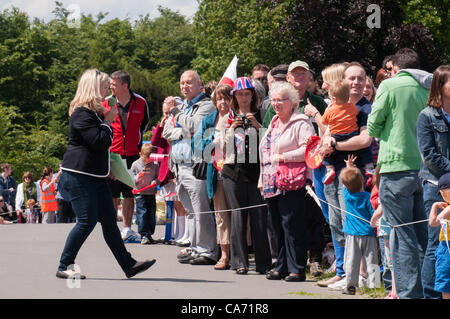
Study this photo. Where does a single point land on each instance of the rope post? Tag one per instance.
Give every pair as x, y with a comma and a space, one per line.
169, 217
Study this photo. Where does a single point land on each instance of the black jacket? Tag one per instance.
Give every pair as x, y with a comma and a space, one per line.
89, 142
248, 170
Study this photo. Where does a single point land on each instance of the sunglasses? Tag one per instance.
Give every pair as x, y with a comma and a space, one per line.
1, 200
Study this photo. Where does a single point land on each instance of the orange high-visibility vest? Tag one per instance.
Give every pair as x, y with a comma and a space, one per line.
48, 198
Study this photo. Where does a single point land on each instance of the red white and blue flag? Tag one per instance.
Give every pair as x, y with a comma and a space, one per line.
231, 73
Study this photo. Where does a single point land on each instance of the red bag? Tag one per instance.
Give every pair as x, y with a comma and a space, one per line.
291, 176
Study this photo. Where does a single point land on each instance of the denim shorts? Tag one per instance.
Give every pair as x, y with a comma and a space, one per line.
442, 281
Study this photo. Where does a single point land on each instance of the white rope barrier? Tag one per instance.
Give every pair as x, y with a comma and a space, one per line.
317, 199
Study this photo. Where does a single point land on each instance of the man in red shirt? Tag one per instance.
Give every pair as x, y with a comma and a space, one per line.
128, 131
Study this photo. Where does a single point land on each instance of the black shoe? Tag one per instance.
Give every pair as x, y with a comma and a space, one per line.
148, 240
262, 272
139, 267
184, 255
241, 271
349, 290
69, 275
273, 275
186, 259
202, 260
297, 278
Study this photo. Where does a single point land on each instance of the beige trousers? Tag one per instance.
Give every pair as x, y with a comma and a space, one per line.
223, 220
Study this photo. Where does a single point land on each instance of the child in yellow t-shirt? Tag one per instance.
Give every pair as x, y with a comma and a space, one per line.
442, 281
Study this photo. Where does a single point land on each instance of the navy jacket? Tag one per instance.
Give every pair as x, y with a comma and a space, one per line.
89, 142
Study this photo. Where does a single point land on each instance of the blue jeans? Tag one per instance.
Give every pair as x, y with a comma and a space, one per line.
91, 202
430, 195
335, 197
402, 200
387, 275
339, 251
146, 214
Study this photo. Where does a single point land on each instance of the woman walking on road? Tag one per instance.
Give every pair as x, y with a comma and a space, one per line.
85, 169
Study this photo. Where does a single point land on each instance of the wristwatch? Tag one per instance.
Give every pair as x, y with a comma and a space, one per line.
333, 145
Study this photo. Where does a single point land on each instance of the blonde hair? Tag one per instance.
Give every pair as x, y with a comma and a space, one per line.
340, 90
146, 150
88, 91
334, 72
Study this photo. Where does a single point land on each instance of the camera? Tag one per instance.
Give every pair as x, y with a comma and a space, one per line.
244, 118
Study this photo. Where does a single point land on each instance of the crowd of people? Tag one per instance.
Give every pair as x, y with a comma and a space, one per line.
232, 160
33, 202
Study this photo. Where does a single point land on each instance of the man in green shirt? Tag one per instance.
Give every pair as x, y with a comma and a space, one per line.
298, 75
397, 105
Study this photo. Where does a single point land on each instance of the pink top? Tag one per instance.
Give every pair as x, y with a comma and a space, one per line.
165, 175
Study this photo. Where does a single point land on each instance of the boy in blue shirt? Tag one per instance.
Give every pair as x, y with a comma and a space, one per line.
360, 239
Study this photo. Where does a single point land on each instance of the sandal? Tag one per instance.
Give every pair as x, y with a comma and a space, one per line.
241, 271
222, 265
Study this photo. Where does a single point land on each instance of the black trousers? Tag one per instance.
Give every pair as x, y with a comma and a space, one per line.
316, 229
242, 193
65, 212
289, 221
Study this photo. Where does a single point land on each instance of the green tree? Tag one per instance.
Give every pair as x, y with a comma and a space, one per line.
247, 29
41, 63
433, 15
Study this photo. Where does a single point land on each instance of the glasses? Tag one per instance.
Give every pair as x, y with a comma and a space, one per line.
276, 101
2, 200
299, 74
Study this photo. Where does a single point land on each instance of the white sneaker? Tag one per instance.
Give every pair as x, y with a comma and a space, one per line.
362, 282
130, 234
125, 233
187, 250
339, 285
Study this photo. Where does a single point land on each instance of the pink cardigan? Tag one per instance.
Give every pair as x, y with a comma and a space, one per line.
293, 138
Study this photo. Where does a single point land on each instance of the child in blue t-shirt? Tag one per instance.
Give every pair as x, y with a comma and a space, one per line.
442, 253
360, 240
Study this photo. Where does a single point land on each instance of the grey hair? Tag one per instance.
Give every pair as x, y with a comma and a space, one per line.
286, 88
259, 88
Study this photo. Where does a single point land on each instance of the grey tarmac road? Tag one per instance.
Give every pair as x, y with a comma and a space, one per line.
29, 257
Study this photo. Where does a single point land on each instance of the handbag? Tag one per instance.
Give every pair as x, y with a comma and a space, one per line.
199, 170
290, 176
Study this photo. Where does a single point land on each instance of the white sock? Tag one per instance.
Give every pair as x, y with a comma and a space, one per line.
186, 234
181, 220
